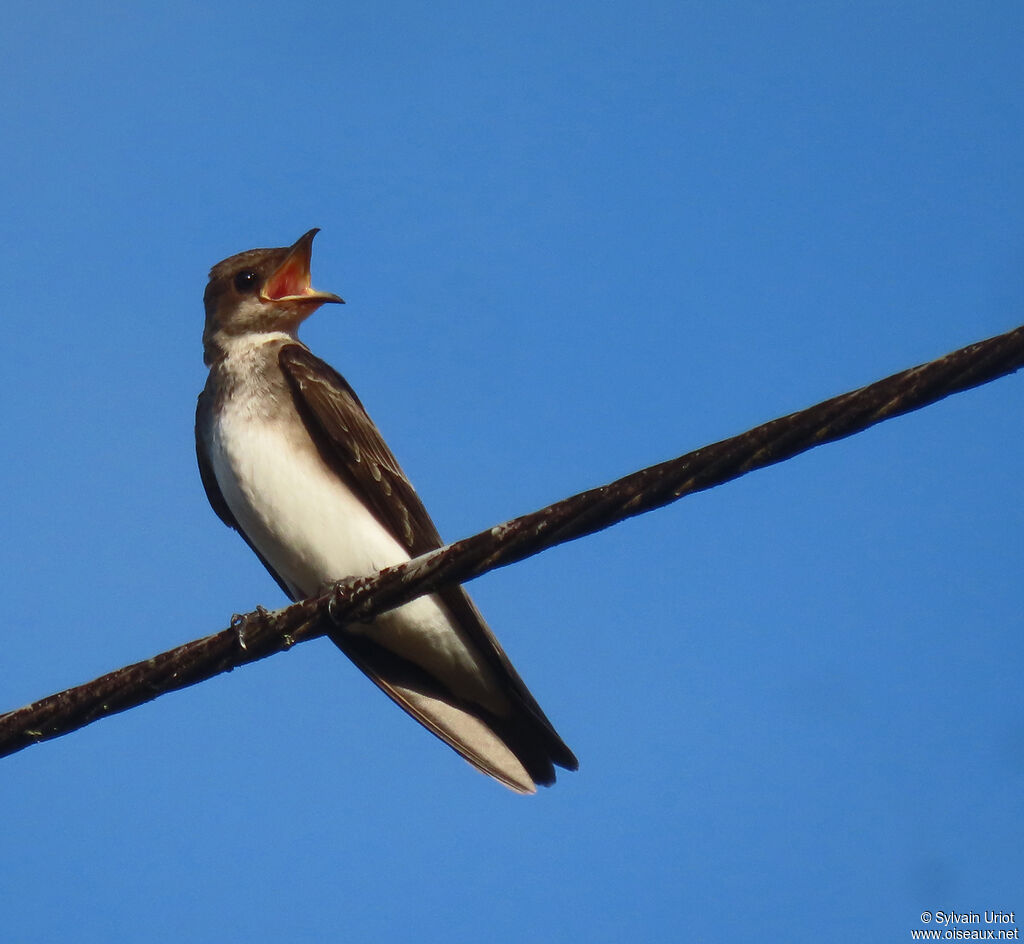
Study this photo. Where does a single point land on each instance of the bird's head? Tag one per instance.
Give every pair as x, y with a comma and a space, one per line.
260, 291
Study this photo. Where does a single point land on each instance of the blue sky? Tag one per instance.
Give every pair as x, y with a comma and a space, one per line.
574, 241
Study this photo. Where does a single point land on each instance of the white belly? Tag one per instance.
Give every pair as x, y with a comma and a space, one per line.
303, 519
313, 530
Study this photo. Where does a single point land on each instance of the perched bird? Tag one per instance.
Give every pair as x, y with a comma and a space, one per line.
291, 460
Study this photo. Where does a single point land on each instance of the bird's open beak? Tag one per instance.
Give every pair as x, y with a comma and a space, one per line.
290, 282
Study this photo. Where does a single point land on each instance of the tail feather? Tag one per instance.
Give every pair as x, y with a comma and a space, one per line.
519, 749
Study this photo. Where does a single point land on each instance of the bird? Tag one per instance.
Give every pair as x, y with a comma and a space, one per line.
290, 459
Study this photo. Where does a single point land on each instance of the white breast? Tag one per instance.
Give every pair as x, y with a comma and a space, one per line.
312, 529
303, 519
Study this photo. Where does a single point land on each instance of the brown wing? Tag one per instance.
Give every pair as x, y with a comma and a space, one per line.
359, 453
352, 446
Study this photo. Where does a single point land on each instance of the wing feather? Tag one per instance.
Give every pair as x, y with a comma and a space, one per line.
351, 445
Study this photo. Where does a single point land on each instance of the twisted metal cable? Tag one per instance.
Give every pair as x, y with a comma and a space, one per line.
261, 633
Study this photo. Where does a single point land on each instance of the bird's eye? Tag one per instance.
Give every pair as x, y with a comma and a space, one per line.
246, 281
